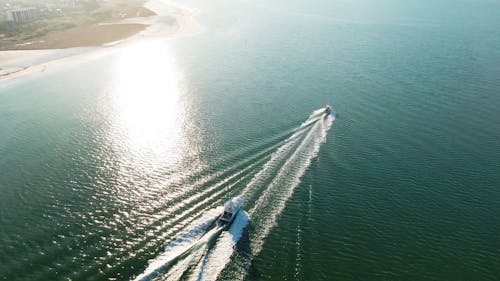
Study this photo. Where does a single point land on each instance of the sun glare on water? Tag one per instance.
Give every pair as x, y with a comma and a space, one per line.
149, 113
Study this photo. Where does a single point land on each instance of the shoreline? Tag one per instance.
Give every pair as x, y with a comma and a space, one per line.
170, 21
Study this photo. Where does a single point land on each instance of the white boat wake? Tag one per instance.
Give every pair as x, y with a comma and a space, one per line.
204, 250
220, 255
184, 245
282, 173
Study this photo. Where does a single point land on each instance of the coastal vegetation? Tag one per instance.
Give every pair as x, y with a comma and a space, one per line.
89, 23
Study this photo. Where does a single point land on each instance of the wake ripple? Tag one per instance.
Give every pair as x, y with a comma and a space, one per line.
204, 250
297, 154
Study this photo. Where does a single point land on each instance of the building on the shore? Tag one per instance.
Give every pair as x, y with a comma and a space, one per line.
21, 15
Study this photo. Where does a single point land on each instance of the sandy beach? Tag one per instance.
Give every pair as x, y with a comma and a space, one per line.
164, 20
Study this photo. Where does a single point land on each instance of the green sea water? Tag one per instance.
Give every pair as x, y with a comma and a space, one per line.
108, 164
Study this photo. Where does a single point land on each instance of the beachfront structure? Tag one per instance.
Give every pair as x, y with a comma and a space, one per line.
21, 15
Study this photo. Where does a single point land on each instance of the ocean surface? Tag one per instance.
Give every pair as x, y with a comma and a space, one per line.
115, 167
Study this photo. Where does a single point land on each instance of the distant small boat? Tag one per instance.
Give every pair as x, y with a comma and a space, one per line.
231, 208
328, 109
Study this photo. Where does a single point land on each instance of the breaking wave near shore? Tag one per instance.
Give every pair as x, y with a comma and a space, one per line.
266, 175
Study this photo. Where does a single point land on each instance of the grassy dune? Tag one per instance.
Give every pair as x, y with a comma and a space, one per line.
72, 28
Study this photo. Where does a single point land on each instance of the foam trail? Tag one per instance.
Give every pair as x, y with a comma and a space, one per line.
194, 256
220, 255
184, 254
268, 168
181, 268
283, 151
273, 199
181, 246
201, 247
282, 174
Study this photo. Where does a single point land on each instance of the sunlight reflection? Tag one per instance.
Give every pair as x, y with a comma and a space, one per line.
149, 113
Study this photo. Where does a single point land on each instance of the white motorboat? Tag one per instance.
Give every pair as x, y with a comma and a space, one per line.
328, 109
231, 208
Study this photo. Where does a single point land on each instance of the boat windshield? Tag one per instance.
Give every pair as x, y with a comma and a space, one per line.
226, 215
